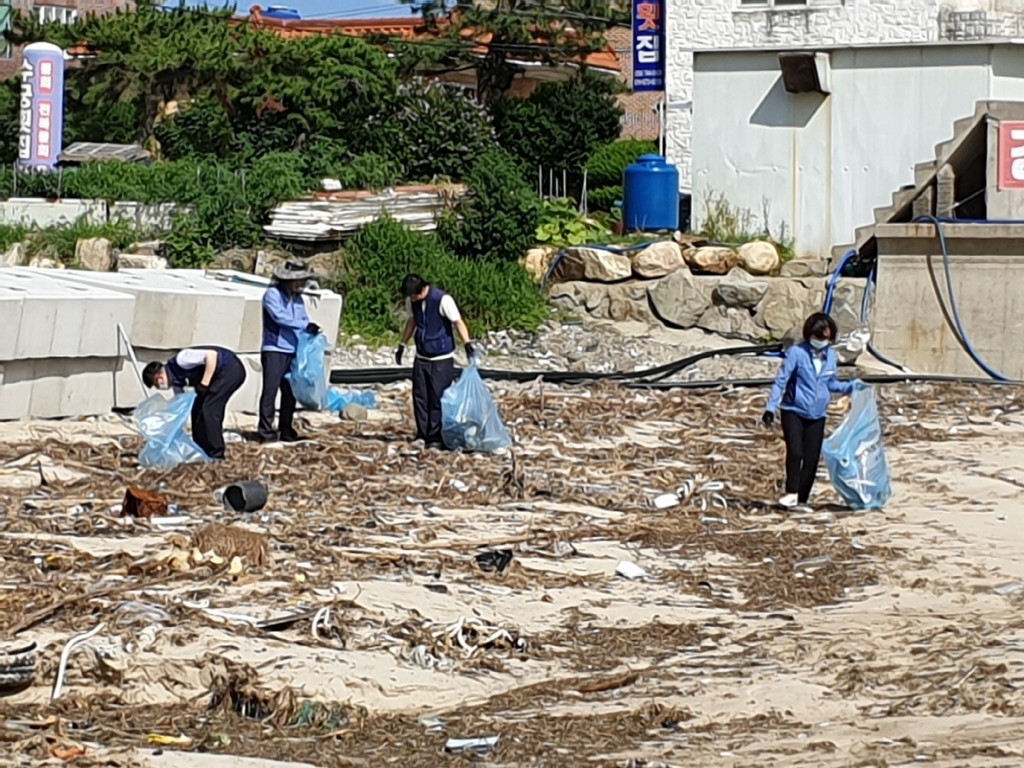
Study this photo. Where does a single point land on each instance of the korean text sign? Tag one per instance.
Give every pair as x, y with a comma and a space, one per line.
1011, 155
41, 120
648, 45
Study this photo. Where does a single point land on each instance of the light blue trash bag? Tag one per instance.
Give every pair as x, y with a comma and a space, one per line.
855, 456
337, 400
308, 373
161, 422
469, 418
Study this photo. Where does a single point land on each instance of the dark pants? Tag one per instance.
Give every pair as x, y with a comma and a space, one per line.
275, 366
429, 381
803, 449
208, 410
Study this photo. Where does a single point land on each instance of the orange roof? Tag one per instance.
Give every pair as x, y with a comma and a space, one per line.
404, 28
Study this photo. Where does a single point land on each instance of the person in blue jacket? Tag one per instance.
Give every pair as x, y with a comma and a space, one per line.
433, 319
804, 388
284, 316
216, 374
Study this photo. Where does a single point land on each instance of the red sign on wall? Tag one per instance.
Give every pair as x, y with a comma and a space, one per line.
1011, 155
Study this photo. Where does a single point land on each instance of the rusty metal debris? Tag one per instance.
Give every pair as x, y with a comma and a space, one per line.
138, 502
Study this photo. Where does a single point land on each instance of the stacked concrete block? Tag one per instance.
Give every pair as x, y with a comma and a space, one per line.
61, 355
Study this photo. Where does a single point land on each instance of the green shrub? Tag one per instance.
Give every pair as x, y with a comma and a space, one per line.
561, 224
59, 242
560, 125
491, 295
11, 234
497, 218
604, 198
606, 167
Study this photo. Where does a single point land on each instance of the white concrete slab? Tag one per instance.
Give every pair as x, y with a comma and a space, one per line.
59, 317
173, 311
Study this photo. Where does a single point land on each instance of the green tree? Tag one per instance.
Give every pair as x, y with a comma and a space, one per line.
147, 56
560, 124
497, 218
437, 130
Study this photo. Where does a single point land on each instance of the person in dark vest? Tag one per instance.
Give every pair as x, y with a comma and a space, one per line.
433, 318
284, 316
215, 374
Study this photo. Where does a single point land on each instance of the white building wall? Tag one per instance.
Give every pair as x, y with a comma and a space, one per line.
704, 25
819, 165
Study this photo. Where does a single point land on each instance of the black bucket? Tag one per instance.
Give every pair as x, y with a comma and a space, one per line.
246, 496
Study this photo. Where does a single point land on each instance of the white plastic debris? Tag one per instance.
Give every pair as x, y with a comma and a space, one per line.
628, 570
666, 500
479, 746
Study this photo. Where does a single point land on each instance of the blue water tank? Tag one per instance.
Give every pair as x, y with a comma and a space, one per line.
282, 12
651, 195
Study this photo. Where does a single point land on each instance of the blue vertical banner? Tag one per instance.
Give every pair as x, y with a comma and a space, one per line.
648, 45
41, 121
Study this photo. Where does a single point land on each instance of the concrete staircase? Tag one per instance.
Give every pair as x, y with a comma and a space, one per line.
952, 184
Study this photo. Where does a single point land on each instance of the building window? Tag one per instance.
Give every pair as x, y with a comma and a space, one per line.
56, 14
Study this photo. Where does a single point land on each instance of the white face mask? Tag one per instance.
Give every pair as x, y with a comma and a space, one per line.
819, 344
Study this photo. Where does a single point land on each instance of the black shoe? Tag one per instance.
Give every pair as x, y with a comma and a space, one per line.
292, 437
266, 439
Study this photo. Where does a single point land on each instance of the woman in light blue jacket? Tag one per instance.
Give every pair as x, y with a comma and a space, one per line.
804, 389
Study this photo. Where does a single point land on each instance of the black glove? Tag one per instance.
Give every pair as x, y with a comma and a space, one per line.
398, 354
313, 328
202, 389
470, 352
768, 419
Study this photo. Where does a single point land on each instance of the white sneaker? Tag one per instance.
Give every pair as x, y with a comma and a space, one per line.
789, 501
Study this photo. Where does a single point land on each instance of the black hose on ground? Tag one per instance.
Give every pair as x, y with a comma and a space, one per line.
650, 378
392, 375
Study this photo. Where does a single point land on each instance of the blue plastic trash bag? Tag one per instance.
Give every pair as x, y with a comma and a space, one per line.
308, 372
469, 417
161, 422
855, 456
337, 400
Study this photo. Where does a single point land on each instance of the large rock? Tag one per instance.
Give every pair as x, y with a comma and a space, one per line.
680, 299
590, 297
805, 268
658, 260
95, 254
628, 301
45, 262
537, 262
730, 322
324, 265
711, 260
739, 289
148, 248
240, 260
759, 257
140, 261
785, 304
14, 257
846, 303
593, 264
